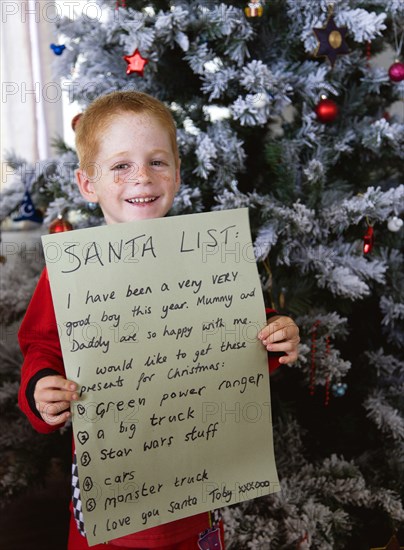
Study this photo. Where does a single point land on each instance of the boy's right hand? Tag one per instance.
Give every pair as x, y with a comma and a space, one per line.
53, 395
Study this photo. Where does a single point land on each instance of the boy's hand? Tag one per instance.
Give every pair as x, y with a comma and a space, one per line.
53, 395
281, 334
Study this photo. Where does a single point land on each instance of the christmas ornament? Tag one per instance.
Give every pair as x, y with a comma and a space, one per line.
27, 210
395, 224
75, 120
331, 40
326, 110
92, 205
396, 72
339, 389
393, 544
58, 49
254, 9
368, 240
60, 225
120, 4
136, 63
313, 357
327, 380
368, 53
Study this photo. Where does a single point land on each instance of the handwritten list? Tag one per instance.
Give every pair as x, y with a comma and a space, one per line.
158, 323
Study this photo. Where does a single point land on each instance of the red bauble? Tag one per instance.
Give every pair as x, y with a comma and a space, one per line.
396, 72
75, 120
368, 240
60, 225
326, 110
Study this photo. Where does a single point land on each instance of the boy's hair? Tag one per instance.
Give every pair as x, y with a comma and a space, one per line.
99, 113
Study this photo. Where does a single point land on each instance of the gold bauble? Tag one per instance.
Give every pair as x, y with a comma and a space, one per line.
335, 39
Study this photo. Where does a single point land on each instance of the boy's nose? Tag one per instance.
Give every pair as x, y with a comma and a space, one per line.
140, 173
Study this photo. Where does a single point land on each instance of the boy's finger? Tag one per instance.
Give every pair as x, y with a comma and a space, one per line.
55, 396
289, 358
284, 335
57, 382
282, 346
277, 328
54, 413
52, 408
56, 419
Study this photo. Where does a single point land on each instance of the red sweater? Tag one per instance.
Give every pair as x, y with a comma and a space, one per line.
39, 342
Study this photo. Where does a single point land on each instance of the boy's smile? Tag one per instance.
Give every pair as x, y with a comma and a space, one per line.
135, 174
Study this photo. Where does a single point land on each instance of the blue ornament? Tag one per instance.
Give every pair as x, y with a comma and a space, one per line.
27, 210
58, 48
339, 390
92, 205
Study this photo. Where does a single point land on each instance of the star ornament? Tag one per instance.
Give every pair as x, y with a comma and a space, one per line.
136, 63
331, 41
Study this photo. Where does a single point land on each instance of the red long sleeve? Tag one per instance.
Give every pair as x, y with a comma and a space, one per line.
39, 342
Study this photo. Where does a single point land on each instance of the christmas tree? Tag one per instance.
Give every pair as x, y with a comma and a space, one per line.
280, 108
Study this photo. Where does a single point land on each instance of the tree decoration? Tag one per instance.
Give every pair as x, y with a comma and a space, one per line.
328, 379
60, 225
394, 224
58, 49
27, 210
254, 9
368, 53
396, 72
326, 110
136, 63
120, 4
331, 39
75, 120
339, 389
368, 240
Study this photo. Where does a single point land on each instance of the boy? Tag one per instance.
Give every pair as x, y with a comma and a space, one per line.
129, 165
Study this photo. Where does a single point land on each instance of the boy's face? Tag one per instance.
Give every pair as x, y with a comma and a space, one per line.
135, 175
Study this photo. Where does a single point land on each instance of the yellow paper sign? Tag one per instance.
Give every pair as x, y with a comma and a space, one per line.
158, 324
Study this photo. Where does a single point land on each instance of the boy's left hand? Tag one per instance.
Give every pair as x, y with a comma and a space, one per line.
281, 334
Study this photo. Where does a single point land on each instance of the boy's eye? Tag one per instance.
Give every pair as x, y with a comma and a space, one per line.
121, 166
157, 163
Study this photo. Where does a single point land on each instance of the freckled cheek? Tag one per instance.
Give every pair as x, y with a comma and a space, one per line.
168, 181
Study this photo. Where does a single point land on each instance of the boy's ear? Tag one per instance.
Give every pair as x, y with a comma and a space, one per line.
85, 186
